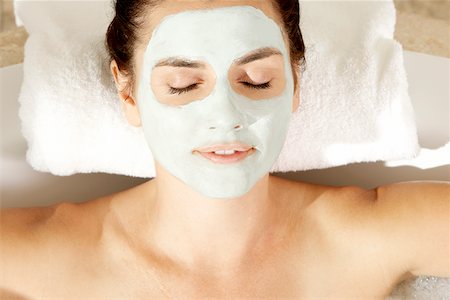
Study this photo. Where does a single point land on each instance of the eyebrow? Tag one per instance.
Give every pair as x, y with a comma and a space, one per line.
179, 63
185, 63
257, 55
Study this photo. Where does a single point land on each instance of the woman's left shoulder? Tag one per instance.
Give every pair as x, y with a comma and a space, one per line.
405, 224
414, 219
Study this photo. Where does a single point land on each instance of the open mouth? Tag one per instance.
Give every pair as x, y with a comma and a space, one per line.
226, 156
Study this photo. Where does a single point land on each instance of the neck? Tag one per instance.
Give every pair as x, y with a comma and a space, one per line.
198, 230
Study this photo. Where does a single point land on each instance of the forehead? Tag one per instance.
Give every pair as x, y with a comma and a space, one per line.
169, 7
218, 35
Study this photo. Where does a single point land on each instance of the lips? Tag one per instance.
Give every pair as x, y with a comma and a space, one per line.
225, 153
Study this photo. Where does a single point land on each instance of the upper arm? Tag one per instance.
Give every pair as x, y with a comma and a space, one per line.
414, 217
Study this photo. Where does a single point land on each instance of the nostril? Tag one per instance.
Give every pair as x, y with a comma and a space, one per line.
237, 127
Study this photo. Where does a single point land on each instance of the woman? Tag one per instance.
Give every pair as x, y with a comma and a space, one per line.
213, 83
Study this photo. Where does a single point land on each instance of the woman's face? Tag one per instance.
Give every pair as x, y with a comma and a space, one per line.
214, 93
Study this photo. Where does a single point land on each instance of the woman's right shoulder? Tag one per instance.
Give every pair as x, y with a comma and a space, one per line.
38, 238
24, 225
56, 223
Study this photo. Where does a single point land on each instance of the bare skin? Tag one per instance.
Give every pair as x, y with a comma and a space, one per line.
94, 250
283, 239
325, 243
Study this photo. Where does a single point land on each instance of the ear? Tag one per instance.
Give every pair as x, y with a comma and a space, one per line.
129, 104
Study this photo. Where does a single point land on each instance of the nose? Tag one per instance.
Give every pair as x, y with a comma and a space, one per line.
225, 116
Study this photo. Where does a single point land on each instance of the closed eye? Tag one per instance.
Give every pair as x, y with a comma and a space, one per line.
180, 91
266, 85
194, 86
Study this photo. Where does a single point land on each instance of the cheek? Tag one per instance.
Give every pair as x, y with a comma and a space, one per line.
169, 129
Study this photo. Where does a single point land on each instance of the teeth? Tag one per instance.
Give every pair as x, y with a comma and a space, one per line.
225, 152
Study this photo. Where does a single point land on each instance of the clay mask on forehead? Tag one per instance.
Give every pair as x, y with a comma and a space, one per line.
226, 113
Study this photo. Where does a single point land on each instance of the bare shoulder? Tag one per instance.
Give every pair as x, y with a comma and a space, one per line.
410, 213
388, 225
30, 234
331, 207
357, 231
45, 238
25, 225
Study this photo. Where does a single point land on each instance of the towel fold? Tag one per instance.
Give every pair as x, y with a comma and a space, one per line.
354, 104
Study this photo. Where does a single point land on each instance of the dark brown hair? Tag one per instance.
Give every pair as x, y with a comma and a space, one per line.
123, 32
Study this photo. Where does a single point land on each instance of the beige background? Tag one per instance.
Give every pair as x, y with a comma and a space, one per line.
422, 26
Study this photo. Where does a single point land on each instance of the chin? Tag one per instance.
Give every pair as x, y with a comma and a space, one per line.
225, 194
220, 187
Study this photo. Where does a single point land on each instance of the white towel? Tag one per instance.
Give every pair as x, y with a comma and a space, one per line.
354, 95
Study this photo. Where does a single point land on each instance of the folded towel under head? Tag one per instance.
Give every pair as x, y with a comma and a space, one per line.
354, 103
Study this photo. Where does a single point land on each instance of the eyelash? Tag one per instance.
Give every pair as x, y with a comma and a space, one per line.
194, 86
173, 90
261, 86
